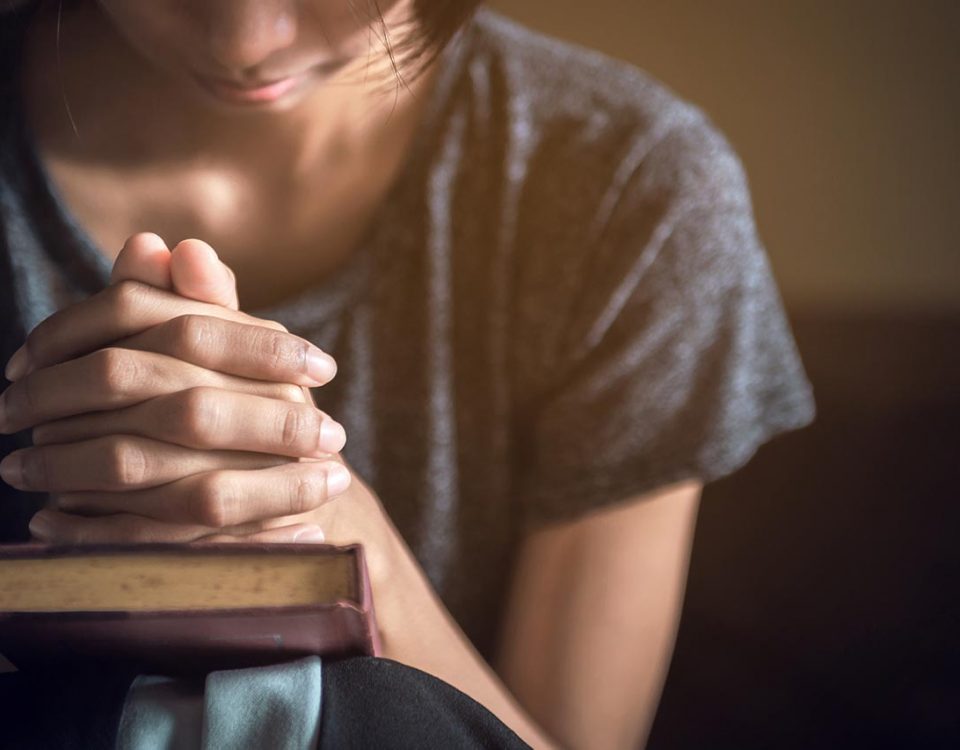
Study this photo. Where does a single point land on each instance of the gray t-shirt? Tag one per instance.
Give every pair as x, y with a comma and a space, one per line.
562, 303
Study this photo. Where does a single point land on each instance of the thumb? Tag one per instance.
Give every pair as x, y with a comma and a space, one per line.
198, 273
145, 257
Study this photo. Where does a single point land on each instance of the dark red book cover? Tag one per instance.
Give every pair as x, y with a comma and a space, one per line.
187, 641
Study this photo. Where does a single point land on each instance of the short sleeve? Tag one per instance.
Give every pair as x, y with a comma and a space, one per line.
676, 361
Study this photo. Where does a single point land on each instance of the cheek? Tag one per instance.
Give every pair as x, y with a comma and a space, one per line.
353, 28
159, 30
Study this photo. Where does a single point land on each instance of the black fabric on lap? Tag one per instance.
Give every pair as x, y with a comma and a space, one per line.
367, 702
370, 702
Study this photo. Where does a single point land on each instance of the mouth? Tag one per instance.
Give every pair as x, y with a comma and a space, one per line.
251, 92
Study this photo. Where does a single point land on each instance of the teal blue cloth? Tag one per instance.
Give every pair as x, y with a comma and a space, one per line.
275, 707
161, 712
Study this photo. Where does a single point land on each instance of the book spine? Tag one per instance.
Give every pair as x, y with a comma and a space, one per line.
186, 642
374, 642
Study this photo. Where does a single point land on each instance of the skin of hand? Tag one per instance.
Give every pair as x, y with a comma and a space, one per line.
141, 400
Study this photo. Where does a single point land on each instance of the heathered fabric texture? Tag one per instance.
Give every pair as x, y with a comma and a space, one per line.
563, 302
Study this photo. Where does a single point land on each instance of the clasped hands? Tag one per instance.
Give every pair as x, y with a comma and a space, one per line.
161, 413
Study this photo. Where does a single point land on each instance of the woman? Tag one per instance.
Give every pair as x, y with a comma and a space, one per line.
537, 273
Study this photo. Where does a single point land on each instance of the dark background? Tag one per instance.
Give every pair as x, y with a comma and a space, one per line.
821, 608
822, 603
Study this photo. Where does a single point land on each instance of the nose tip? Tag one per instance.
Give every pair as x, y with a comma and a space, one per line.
253, 32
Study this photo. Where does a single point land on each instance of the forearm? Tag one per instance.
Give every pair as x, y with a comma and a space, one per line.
418, 631
616, 582
415, 627
580, 696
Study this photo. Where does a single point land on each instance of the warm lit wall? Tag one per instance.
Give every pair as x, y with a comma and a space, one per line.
846, 113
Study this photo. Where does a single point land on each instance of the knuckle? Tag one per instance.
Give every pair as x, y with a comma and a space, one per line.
117, 369
284, 353
192, 333
127, 296
304, 493
213, 502
126, 462
198, 415
298, 428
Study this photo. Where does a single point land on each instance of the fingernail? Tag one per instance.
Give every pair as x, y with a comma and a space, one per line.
338, 479
11, 469
332, 436
41, 526
321, 367
310, 534
17, 366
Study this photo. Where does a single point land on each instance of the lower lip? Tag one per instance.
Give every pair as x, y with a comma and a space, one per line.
261, 95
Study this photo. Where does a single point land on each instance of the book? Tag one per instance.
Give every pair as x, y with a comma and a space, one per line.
183, 608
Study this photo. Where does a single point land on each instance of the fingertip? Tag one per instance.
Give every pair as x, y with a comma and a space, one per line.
39, 435
310, 534
145, 241
42, 525
17, 367
321, 367
301, 533
144, 257
195, 249
338, 479
198, 273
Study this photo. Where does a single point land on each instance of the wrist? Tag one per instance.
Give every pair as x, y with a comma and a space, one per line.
357, 517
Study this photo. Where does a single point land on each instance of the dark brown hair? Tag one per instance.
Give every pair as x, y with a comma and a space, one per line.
436, 22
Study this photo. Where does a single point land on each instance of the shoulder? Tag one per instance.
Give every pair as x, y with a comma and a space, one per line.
566, 79
582, 116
